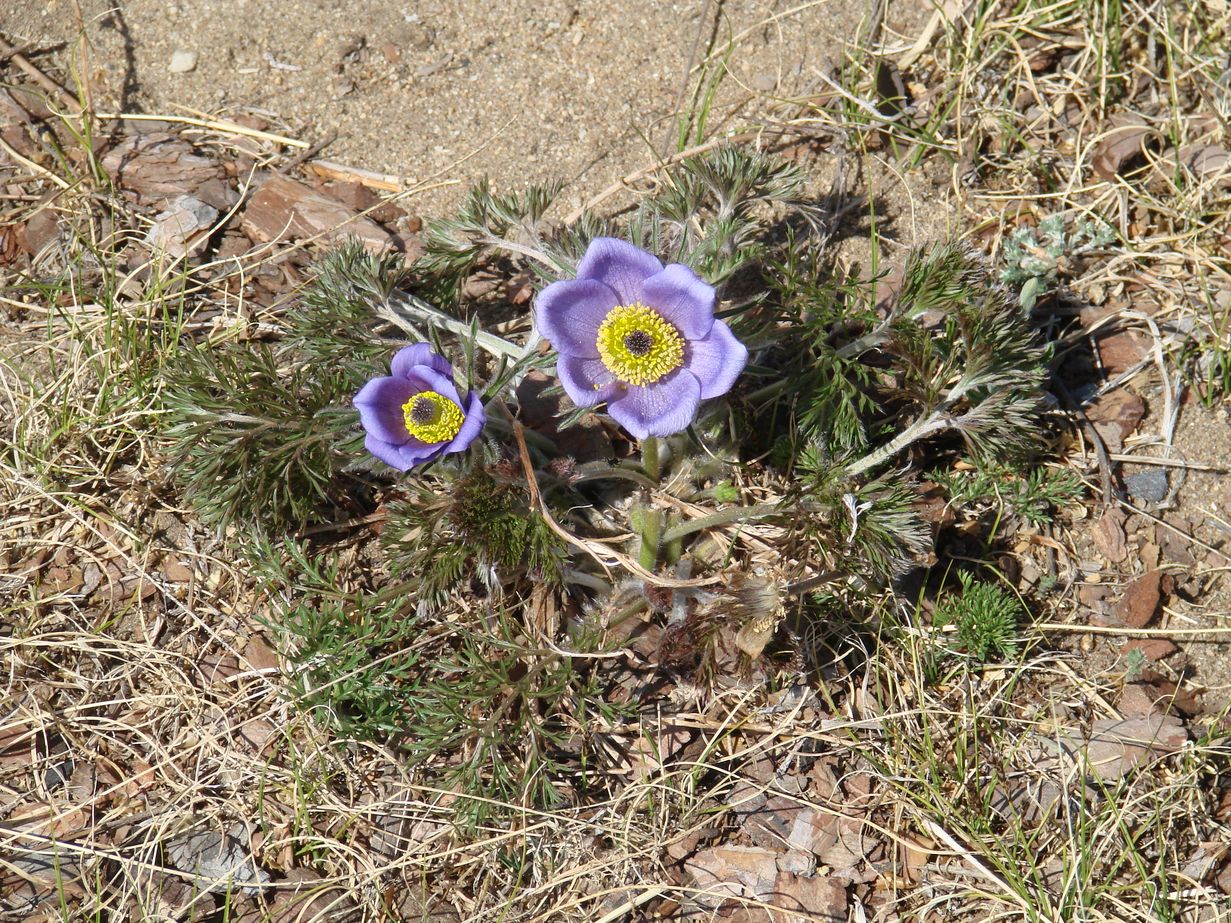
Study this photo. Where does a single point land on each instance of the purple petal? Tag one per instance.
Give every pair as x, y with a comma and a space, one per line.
586, 381
619, 265
417, 453
716, 359
404, 456
660, 409
426, 379
419, 354
471, 426
386, 452
682, 298
380, 405
570, 312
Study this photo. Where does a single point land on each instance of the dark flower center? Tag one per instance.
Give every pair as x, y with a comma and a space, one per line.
422, 411
638, 342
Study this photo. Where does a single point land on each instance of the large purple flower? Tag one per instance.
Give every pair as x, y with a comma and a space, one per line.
639, 336
415, 415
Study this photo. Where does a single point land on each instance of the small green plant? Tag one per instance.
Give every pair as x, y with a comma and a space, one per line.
1035, 496
356, 663
481, 527
1134, 664
473, 703
1035, 257
986, 616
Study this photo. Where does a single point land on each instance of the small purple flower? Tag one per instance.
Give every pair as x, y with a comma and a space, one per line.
639, 336
415, 415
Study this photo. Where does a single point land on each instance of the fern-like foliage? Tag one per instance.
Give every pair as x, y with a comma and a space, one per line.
355, 664
871, 530
335, 321
986, 616
705, 213
482, 527
476, 707
261, 433
1035, 496
834, 390
252, 440
485, 222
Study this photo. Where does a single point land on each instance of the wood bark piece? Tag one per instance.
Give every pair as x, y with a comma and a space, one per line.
158, 168
283, 208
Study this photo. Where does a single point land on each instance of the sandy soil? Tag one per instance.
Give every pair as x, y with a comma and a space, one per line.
448, 91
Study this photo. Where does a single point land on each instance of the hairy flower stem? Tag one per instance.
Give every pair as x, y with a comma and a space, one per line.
503, 421
671, 550
403, 311
935, 422
650, 459
721, 518
651, 536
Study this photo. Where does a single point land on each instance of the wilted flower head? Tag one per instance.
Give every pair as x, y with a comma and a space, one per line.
415, 415
639, 336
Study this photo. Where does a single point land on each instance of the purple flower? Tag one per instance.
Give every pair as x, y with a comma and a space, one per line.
415, 415
639, 336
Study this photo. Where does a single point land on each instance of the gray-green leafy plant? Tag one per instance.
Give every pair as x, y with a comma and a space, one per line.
847, 391
1035, 257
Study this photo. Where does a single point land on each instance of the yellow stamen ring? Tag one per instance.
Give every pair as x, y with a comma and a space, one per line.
432, 417
638, 345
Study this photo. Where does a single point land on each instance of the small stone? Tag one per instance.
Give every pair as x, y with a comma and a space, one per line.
414, 35
1149, 485
183, 61
178, 230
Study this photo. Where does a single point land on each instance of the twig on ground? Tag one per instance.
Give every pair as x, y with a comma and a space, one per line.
308, 153
330, 169
221, 125
30, 164
15, 55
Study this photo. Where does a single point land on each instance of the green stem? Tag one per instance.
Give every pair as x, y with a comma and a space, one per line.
607, 472
721, 518
651, 536
935, 422
504, 422
770, 390
403, 310
650, 460
671, 550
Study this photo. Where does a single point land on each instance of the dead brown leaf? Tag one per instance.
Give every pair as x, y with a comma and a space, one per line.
1141, 599
724, 872
1110, 537
1115, 415
1117, 745
259, 654
1120, 144
1151, 648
